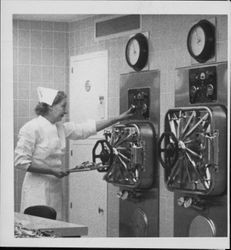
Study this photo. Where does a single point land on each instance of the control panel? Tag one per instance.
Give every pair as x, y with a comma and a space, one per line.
203, 85
140, 98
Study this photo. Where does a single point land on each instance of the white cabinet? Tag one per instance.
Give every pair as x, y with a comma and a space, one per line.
88, 99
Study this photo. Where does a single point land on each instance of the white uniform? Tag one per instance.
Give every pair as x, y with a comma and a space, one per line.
44, 143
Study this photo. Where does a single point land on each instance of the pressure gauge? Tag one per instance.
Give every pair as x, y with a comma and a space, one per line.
137, 51
201, 41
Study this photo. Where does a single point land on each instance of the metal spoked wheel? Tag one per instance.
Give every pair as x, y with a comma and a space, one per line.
184, 150
168, 153
123, 141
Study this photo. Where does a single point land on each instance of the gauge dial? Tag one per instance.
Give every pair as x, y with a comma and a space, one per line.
201, 41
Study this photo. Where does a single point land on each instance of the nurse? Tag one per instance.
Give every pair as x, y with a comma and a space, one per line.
41, 146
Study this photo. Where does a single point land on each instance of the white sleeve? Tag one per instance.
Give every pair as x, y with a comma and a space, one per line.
24, 148
75, 131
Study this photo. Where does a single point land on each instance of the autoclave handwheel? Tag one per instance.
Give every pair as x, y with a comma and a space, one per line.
168, 153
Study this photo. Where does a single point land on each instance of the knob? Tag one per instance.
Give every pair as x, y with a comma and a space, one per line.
180, 201
202, 76
194, 89
210, 90
123, 195
188, 202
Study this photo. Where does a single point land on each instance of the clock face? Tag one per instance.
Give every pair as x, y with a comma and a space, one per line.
136, 51
133, 51
197, 41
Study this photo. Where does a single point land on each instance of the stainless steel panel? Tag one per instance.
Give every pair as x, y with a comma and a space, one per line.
139, 210
146, 79
182, 86
212, 207
140, 218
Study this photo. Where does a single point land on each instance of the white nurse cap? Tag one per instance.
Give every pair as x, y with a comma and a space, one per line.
46, 95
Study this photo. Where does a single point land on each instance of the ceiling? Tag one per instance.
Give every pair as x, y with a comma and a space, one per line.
51, 17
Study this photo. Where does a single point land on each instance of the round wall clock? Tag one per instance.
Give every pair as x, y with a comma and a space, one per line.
136, 51
201, 41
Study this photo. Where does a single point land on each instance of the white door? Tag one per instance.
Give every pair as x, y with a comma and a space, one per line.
88, 99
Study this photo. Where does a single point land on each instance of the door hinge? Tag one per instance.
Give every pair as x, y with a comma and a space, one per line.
71, 152
70, 204
72, 70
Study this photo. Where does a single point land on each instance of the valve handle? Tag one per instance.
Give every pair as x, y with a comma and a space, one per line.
106, 154
170, 150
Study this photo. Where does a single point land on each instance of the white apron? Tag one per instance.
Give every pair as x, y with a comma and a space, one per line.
44, 143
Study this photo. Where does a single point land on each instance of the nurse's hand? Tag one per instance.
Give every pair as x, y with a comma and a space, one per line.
59, 173
127, 114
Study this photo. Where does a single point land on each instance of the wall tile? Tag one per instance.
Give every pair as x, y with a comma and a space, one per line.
36, 39
36, 56
71, 40
23, 93
47, 39
59, 57
23, 73
47, 56
33, 102
23, 56
23, 108
15, 93
23, 24
15, 37
47, 25
36, 74
15, 73
60, 26
24, 38
47, 74
36, 25
22, 84
59, 74
59, 40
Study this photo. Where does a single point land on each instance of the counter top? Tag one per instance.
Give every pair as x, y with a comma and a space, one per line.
60, 228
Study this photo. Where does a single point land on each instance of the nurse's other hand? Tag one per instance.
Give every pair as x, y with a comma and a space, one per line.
59, 173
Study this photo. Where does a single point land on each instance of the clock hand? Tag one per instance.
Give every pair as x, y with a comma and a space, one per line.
198, 38
134, 49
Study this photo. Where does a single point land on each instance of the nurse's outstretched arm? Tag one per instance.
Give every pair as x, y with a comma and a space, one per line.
101, 124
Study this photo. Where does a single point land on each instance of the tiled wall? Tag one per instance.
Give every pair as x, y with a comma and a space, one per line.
35, 43
40, 59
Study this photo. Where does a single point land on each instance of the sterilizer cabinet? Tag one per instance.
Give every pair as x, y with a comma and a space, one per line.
129, 155
193, 151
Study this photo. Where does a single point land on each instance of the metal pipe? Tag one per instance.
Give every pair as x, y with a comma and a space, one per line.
188, 122
199, 156
196, 125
